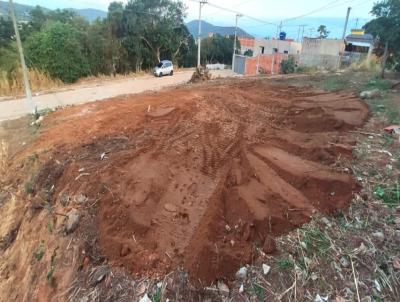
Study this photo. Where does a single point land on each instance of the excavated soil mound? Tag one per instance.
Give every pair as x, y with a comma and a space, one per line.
199, 176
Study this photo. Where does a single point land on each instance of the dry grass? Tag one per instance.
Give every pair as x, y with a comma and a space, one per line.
15, 86
3, 158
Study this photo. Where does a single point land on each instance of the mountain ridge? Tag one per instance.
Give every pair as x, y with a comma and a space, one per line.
22, 11
207, 28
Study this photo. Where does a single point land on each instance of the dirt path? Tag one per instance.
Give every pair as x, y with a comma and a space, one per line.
13, 109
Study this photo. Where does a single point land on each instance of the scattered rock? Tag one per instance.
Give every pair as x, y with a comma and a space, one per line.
379, 236
344, 262
266, 269
223, 288
326, 221
370, 94
169, 207
241, 273
98, 274
64, 200
81, 199
145, 298
73, 218
241, 288
227, 228
319, 298
314, 276
269, 246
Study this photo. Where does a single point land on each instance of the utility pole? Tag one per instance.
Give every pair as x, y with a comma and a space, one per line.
302, 33
201, 4
298, 34
234, 42
347, 22
28, 91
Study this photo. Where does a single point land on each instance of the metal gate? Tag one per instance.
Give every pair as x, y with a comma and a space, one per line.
240, 64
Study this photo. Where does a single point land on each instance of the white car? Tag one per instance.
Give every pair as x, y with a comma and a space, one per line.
165, 67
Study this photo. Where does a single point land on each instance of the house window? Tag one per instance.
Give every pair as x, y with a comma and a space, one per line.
275, 50
286, 52
262, 49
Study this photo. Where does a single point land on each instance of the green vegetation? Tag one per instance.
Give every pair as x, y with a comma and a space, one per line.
288, 66
390, 196
157, 296
315, 241
323, 32
385, 27
39, 253
258, 291
218, 49
132, 38
285, 263
50, 273
335, 83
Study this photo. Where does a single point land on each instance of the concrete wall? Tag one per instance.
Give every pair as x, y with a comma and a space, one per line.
329, 47
291, 47
283, 47
319, 61
321, 53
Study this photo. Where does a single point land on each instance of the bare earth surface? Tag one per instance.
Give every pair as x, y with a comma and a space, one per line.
194, 177
12, 109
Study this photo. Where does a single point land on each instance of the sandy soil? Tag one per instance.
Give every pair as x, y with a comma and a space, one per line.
84, 93
195, 177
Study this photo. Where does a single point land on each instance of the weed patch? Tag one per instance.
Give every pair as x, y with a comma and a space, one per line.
39, 253
390, 196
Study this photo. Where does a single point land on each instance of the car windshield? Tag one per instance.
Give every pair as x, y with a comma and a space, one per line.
159, 65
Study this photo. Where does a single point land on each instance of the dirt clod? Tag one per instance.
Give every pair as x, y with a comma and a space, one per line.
73, 217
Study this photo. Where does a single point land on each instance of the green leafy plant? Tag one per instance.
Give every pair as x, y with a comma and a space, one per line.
258, 291
50, 273
288, 66
39, 253
389, 196
285, 263
315, 241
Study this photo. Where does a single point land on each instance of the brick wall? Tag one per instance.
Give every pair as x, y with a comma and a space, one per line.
268, 64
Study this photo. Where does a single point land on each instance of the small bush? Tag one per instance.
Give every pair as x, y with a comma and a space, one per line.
288, 66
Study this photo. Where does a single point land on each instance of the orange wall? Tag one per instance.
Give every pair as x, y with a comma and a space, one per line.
265, 63
246, 42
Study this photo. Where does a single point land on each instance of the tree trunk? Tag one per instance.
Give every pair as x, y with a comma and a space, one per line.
384, 59
158, 54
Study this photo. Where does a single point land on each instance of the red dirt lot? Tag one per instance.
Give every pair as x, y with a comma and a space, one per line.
198, 176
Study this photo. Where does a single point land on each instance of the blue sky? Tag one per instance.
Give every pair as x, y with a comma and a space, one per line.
327, 12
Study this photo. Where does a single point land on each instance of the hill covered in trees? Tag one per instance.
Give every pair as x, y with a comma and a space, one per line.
23, 12
206, 28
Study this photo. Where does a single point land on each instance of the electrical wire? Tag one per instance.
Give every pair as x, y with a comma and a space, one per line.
238, 13
329, 5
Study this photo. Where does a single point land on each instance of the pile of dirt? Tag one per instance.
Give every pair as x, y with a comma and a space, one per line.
200, 75
196, 176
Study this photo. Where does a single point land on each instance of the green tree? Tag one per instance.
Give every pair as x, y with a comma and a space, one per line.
323, 32
98, 48
6, 32
385, 28
154, 28
218, 49
58, 51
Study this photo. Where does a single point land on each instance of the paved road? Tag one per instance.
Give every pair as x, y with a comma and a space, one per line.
13, 109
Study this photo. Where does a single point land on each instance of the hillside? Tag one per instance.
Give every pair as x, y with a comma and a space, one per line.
22, 11
193, 27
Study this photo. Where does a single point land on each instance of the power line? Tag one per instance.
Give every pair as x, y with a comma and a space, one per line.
237, 13
329, 5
